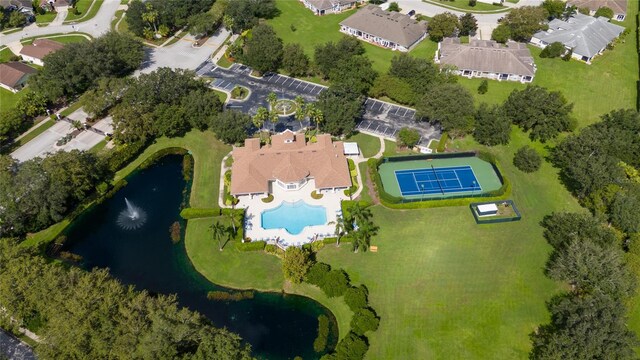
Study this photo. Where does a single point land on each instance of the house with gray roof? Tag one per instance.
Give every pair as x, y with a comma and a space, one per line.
619, 7
487, 59
585, 35
390, 30
323, 7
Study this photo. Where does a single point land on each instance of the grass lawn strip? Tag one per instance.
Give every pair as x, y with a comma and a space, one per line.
45, 18
369, 145
463, 5
87, 10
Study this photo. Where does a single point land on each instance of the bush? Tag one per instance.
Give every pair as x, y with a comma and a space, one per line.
472, 3
408, 137
320, 343
116, 159
527, 159
317, 273
356, 297
352, 346
364, 320
335, 283
553, 50
484, 87
316, 196
268, 199
296, 264
604, 11
442, 144
251, 246
195, 213
352, 165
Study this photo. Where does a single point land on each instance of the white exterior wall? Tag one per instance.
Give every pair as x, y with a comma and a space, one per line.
8, 88
32, 60
374, 39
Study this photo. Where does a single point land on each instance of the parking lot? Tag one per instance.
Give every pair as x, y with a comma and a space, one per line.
380, 118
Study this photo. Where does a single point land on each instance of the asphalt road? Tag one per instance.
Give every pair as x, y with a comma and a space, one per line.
380, 118
14, 349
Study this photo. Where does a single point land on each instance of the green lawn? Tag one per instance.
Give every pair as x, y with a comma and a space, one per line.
9, 99
37, 131
116, 18
46, 17
463, 5
369, 145
5, 55
65, 39
608, 83
312, 30
446, 288
84, 13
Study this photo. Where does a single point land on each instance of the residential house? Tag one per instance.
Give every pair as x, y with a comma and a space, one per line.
50, 5
14, 75
40, 48
323, 7
585, 35
23, 6
290, 163
391, 30
619, 7
487, 59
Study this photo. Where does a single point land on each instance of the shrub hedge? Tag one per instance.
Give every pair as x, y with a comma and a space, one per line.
251, 246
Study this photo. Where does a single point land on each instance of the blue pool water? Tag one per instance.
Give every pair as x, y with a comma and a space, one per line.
293, 217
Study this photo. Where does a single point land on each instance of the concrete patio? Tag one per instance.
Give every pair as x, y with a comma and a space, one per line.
255, 206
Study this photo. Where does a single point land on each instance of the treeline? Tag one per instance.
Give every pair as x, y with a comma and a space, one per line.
40, 192
67, 74
162, 17
89, 315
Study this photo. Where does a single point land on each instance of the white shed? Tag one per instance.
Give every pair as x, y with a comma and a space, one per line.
351, 148
487, 209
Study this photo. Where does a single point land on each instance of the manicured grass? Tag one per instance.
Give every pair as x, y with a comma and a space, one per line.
313, 30
65, 39
99, 146
369, 145
223, 62
46, 17
608, 83
222, 95
463, 5
364, 172
71, 108
207, 154
116, 18
84, 13
446, 288
9, 99
5, 55
37, 131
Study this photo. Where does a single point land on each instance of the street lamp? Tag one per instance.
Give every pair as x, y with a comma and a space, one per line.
422, 193
473, 191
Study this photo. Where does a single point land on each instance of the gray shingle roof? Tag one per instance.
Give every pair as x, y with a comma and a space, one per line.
487, 56
586, 35
618, 6
328, 4
392, 26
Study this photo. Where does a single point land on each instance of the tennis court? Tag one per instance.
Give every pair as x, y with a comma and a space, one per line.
438, 178
442, 180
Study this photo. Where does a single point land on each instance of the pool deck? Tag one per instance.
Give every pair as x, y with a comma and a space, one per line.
255, 206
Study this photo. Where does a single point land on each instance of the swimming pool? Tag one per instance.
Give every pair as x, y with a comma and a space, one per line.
294, 217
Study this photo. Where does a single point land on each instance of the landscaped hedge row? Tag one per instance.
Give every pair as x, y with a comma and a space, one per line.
442, 144
122, 155
251, 246
160, 154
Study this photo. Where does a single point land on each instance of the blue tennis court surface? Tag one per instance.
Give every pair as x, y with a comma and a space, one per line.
437, 180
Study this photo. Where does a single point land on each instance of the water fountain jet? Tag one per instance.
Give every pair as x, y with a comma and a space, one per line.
132, 217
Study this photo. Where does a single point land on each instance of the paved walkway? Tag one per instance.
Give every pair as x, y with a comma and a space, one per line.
98, 25
62, 14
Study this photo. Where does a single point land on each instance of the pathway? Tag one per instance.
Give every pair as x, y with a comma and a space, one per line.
97, 26
62, 14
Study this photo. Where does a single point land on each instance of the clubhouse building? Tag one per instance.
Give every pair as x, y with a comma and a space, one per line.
487, 59
387, 29
289, 163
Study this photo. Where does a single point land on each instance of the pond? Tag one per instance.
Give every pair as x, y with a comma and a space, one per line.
277, 326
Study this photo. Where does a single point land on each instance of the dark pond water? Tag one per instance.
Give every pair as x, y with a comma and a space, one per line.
277, 326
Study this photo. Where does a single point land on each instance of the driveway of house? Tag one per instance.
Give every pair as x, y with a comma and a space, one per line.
380, 118
14, 349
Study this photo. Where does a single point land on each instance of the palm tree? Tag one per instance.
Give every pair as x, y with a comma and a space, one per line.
359, 213
362, 237
150, 16
261, 116
314, 114
341, 228
300, 111
274, 118
232, 219
218, 231
272, 98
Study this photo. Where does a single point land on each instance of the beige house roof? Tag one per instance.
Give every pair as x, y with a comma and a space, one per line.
288, 159
41, 48
487, 56
389, 25
13, 73
618, 6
